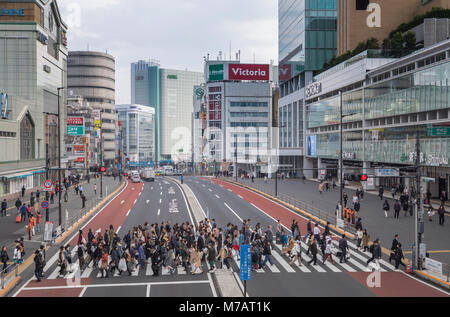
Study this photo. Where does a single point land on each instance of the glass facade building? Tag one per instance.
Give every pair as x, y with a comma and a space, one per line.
395, 102
138, 132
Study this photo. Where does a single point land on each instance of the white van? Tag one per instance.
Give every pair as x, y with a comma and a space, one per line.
135, 178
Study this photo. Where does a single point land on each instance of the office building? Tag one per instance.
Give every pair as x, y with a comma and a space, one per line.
176, 111
33, 66
307, 39
91, 75
137, 133
359, 20
388, 104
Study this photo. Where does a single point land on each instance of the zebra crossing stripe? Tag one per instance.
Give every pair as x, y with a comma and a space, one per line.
283, 263
165, 271
180, 270
318, 268
149, 270
136, 270
87, 271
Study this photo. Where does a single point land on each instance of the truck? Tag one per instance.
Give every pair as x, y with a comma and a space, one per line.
148, 175
168, 170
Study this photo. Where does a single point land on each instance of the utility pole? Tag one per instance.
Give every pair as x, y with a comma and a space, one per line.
101, 157
341, 161
59, 159
235, 158
47, 166
419, 224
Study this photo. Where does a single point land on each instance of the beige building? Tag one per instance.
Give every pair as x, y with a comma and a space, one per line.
33, 65
353, 15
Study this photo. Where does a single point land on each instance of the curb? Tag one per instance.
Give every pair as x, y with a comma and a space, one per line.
26, 264
431, 278
10, 286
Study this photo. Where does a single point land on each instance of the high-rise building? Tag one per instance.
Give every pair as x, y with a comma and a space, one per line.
91, 75
33, 69
237, 116
359, 20
307, 39
146, 91
176, 111
138, 133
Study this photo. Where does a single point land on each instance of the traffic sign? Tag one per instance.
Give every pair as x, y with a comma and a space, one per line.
438, 131
246, 263
44, 204
48, 184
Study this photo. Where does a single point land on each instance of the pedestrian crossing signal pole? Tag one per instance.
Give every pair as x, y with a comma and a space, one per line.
419, 224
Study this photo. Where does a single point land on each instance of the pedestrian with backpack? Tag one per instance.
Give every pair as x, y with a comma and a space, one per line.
386, 208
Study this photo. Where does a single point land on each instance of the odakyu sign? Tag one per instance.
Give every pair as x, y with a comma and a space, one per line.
12, 12
248, 72
3, 105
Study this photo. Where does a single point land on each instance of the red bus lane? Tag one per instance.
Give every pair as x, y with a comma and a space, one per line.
114, 214
391, 284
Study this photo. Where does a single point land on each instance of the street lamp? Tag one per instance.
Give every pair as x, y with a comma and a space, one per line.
341, 158
59, 158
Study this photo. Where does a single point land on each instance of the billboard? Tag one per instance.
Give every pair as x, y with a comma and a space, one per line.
249, 72
78, 149
75, 126
216, 72
311, 149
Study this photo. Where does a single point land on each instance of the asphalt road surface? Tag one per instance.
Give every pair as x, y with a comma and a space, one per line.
163, 200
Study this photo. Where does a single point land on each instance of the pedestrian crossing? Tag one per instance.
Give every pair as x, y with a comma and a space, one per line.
357, 262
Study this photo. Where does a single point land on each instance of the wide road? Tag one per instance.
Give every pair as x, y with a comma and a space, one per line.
152, 202
163, 200
226, 203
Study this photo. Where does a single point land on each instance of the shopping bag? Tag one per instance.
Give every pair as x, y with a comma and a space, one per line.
18, 219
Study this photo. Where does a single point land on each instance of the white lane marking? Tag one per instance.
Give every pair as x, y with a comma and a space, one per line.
236, 276
54, 274
210, 190
149, 270
151, 188
159, 212
203, 185
213, 289
283, 263
318, 268
122, 202
128, 213
165, 271
218, 197
118, 229
273, 268
161, 194
136, 271
148, 290
160, 200
82, 292
356, 254
240, 196
51, 261
180, 270
240, 219
148, 201
87, 271
135, 201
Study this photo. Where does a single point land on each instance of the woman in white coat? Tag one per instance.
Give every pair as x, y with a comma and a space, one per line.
296, 253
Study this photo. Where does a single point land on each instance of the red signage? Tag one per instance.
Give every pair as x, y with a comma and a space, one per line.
75, 120
79, 160
285, 72
248, 72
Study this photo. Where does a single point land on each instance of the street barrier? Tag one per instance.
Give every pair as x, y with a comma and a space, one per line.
4, 274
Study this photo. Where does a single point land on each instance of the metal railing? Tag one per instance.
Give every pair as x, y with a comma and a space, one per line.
326, 216
5, 274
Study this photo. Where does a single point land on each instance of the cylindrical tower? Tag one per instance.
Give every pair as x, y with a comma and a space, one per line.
91, 75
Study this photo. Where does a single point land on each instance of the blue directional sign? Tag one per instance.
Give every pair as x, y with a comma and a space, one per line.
45, 204
246, 263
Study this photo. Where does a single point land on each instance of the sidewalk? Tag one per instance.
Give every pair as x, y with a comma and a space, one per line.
11, 231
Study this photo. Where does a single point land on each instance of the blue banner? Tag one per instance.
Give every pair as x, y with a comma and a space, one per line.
246, 263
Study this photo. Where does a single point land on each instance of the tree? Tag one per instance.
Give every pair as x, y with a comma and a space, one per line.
409, 40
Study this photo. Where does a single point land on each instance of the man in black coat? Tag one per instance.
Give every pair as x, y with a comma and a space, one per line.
399, 256
38, 265
18, 203
394, 247
397, 208
4, 207
313, 249
343, 246
23, 191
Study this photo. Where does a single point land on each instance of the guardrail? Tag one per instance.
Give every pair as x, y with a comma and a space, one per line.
310, 209
4, 273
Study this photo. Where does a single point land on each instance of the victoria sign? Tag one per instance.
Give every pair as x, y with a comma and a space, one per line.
248, 72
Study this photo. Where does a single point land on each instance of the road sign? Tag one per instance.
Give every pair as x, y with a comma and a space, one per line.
48, 184
246, 263
438, 131
75, 130
44, 204
48, 231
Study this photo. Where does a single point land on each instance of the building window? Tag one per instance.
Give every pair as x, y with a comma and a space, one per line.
26, 139
362, 4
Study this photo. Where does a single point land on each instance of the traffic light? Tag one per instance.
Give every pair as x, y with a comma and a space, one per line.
102, 169
364, 177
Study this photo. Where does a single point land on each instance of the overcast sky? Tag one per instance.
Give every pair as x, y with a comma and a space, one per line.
178, 33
